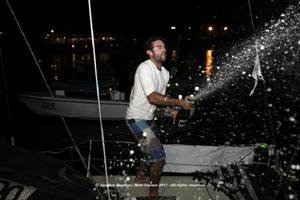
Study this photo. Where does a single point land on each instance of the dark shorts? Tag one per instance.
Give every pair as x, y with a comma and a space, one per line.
144, 131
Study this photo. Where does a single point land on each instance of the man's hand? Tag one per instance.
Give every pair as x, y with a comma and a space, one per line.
187, 102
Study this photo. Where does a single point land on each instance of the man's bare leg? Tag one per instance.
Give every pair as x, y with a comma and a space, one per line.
140, 177
155, 174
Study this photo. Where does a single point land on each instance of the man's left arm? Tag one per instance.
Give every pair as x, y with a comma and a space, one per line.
162, 100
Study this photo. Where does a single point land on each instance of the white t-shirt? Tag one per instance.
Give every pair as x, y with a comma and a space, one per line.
147, 79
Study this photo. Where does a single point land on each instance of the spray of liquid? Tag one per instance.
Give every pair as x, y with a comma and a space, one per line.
278, 37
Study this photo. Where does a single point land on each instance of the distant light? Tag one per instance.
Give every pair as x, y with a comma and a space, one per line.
225, 28
73, 46
210, 28
208, 63
180, 96
52, 31
173, 27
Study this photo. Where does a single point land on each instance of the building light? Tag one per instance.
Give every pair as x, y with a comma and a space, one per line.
210, 28
225, 28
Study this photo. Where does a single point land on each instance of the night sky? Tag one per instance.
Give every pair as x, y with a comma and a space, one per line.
136, 17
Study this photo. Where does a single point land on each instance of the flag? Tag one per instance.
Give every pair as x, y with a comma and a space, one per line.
256, 73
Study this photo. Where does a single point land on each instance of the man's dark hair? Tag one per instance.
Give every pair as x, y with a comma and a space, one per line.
148, 44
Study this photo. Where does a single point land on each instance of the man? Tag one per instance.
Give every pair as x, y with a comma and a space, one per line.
148, 91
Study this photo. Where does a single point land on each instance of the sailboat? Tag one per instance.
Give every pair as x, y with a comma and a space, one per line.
74, 106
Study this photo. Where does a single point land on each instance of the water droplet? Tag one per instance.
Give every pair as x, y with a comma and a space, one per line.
292, 119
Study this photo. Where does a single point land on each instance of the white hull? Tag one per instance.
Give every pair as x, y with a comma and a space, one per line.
74, 107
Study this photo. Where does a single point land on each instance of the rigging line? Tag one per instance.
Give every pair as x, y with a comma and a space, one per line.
45, 81
251, 17
28, 45
98, 98
264, 91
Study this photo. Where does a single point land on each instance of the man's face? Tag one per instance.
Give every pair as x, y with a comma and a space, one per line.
159, 51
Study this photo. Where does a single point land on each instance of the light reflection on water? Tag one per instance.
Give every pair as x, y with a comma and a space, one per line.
82, 62
209, 62
76, 65
79, 66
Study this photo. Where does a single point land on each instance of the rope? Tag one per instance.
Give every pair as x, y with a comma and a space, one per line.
252, 22
98, 99
46, 83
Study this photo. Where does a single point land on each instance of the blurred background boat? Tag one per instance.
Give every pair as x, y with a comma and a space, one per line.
75, 106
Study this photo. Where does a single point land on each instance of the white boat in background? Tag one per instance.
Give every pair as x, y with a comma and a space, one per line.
74, 107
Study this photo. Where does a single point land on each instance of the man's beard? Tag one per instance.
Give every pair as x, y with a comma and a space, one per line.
160, 58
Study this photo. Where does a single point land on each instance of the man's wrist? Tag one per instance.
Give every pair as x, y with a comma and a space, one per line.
169, 101
166, 98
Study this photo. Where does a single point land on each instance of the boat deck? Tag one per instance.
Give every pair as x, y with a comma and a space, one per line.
171, 187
